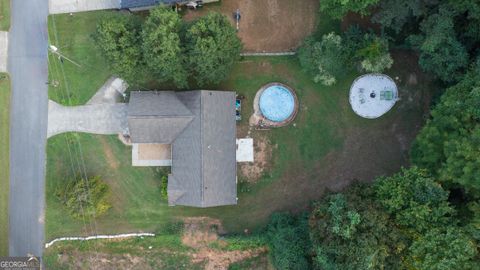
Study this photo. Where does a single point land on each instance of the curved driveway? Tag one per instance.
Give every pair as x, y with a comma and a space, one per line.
27, 64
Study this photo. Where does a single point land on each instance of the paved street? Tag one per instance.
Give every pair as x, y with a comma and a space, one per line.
27, 64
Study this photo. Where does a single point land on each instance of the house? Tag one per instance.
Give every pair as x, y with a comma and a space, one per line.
194, 132
137, 5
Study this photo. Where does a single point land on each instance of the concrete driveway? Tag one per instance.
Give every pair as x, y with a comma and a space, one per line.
67, 6
95, 118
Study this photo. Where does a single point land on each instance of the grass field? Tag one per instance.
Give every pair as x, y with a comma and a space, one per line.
4, 160
327, 148
4, 15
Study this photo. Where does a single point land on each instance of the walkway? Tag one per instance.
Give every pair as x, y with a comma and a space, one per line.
27, 64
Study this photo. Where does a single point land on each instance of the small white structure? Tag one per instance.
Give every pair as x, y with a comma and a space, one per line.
372, 95
245, 150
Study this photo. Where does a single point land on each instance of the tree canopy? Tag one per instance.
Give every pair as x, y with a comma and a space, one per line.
447, 145
118, 37
351, 231
162, 48
438, 249
416, 200
289, 241
325, 59
339, 8
213, 47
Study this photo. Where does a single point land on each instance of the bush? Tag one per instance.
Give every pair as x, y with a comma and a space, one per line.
164, 187
85, 198
325, 59
289, 242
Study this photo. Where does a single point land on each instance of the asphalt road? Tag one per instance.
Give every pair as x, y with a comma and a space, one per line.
27, 65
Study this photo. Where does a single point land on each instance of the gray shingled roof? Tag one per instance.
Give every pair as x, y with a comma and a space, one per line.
145, 3
156, 117
203, 153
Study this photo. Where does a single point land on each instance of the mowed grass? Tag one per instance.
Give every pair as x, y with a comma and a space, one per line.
72, 35
4, 15
326, 148
4, 160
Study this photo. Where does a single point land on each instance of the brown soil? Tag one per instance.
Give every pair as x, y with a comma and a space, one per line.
111, 159
252, 171
103, 261
200, 233
268, 25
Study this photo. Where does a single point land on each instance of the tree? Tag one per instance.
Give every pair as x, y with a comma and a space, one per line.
375, 56
339, 8
443, 249
395, 14
440, 51
118, 37
447, 145
414, 199
351, 231
289, 242
162, 48
325, 59
213, 47
368, 49
85, 198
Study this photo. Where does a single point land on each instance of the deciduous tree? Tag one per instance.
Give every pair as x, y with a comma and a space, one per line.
325, 59
213, 47
339, 8
162, 48
118, 37
414, 199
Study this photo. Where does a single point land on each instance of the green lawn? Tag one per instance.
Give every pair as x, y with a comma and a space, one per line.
4, 160
4, 15
327, 148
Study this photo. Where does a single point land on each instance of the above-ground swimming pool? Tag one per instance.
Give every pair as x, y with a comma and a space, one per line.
277, 103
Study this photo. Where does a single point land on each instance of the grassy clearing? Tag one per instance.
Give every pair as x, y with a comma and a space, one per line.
4, 15
4, 160
326, 149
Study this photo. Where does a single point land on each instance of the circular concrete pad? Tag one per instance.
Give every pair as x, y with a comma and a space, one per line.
372, 95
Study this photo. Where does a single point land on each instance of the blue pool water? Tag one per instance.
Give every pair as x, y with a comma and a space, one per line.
277, 103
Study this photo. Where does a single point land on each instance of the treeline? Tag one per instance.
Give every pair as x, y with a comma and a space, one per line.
166, 48
426, 216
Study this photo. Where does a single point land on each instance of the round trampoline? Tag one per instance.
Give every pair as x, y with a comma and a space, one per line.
275, 105
373, 95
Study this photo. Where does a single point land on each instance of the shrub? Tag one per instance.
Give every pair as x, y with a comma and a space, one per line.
85, 197
325, 59
289, 242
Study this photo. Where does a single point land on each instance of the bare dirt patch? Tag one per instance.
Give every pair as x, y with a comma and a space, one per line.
111, 159
268, 25
200, 233
103, 261
252, 171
